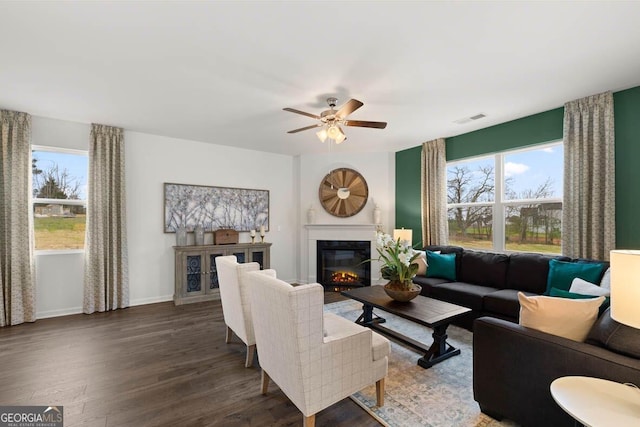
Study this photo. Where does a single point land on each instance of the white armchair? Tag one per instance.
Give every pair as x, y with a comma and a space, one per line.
236, 306
316, 359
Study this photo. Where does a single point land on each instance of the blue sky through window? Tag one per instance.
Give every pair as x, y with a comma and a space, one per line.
528, 170
75, 164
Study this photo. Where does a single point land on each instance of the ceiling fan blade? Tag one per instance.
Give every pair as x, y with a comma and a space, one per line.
365, 124
293, 110
348, 108
305, 128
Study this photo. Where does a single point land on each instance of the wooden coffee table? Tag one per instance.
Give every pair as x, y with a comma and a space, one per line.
429, 312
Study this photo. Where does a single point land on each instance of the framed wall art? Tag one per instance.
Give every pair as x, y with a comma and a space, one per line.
213, 208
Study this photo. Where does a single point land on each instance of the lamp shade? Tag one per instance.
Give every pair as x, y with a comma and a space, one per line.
625, 287
403, 234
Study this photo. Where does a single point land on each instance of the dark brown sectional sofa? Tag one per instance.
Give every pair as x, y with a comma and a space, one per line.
513, 366
488, 283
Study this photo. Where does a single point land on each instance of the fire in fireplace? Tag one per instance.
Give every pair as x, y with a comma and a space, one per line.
341, 264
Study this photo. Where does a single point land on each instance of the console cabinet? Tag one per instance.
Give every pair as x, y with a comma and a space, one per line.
196, 275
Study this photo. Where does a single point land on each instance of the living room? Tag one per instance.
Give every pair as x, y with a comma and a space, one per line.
235, 134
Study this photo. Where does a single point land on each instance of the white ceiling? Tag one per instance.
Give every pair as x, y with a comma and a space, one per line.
221, 72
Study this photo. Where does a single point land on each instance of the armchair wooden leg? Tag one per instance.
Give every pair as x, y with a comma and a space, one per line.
265, 382
227, 338
251, 351
309, 421
380, 392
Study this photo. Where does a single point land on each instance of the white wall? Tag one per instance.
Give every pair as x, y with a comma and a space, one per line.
150, 162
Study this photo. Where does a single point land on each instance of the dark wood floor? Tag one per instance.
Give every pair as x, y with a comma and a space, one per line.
152, 365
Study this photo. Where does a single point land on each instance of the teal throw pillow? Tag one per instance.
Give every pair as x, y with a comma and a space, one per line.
441, 265
555, 292
562, 273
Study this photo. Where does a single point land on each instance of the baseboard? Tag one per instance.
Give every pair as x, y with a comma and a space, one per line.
78, 310
58, 313
150, 300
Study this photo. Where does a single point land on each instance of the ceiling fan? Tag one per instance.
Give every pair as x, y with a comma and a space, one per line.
331, 119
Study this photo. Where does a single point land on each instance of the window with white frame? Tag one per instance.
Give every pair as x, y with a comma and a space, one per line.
59, 184
507, 201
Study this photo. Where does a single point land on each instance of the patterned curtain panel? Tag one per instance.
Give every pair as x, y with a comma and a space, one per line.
17, 274
435, 228
588, 212
106, 282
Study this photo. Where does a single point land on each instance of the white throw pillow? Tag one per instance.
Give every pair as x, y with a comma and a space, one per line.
422, 263
606, 279
579, 286
568, 318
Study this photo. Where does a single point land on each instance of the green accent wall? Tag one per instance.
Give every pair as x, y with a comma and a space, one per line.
536, 129
530, 130
408, 209
626, 110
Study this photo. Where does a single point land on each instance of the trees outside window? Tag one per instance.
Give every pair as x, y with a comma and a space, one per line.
59, 184
509, 201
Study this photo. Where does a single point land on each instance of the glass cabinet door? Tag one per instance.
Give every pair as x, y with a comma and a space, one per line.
194, 273
212, 282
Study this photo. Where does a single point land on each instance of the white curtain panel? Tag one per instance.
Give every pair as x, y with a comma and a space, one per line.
106, 282
588, 212
17, 274
435, 228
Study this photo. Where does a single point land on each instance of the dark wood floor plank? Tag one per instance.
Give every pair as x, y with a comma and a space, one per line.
152, 365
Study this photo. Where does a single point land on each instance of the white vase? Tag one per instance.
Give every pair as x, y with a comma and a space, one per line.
311, 215
376, 215
181, 236
199, 235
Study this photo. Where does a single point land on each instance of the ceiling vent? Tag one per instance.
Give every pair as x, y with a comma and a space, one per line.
470, 119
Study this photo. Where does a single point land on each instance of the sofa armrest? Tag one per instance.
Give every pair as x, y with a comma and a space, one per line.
514, 366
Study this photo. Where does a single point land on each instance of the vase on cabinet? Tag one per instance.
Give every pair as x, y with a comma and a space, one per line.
198, 233
181, 236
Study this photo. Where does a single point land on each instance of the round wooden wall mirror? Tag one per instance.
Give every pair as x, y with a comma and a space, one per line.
343, 192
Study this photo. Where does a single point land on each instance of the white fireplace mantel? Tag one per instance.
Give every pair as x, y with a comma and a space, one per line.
345, 231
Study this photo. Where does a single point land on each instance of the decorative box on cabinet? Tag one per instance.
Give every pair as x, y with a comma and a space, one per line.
196, 275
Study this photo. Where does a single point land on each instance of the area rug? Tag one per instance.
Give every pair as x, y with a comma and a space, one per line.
441, 396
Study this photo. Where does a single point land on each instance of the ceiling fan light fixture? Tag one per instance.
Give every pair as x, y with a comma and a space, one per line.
322, 135
333, 132
341, 137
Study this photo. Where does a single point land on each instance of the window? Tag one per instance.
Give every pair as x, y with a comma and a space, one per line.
59, 198
509, 201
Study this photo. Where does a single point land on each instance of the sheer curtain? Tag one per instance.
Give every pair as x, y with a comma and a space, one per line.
106, 283
588, 212
435, 228
17, 274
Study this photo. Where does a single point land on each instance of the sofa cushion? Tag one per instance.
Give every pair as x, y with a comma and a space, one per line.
484, 269
465, 294
441, 265
575, 295
561, 273
528, 272
615, 336
571, 319
503, 302
428, 282
447, 250
580, 286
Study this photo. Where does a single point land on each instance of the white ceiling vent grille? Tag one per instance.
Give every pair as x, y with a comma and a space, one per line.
470, 119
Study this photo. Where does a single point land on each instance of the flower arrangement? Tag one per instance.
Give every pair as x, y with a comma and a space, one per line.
397, 261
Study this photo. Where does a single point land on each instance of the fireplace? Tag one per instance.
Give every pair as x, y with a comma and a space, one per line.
340, 264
